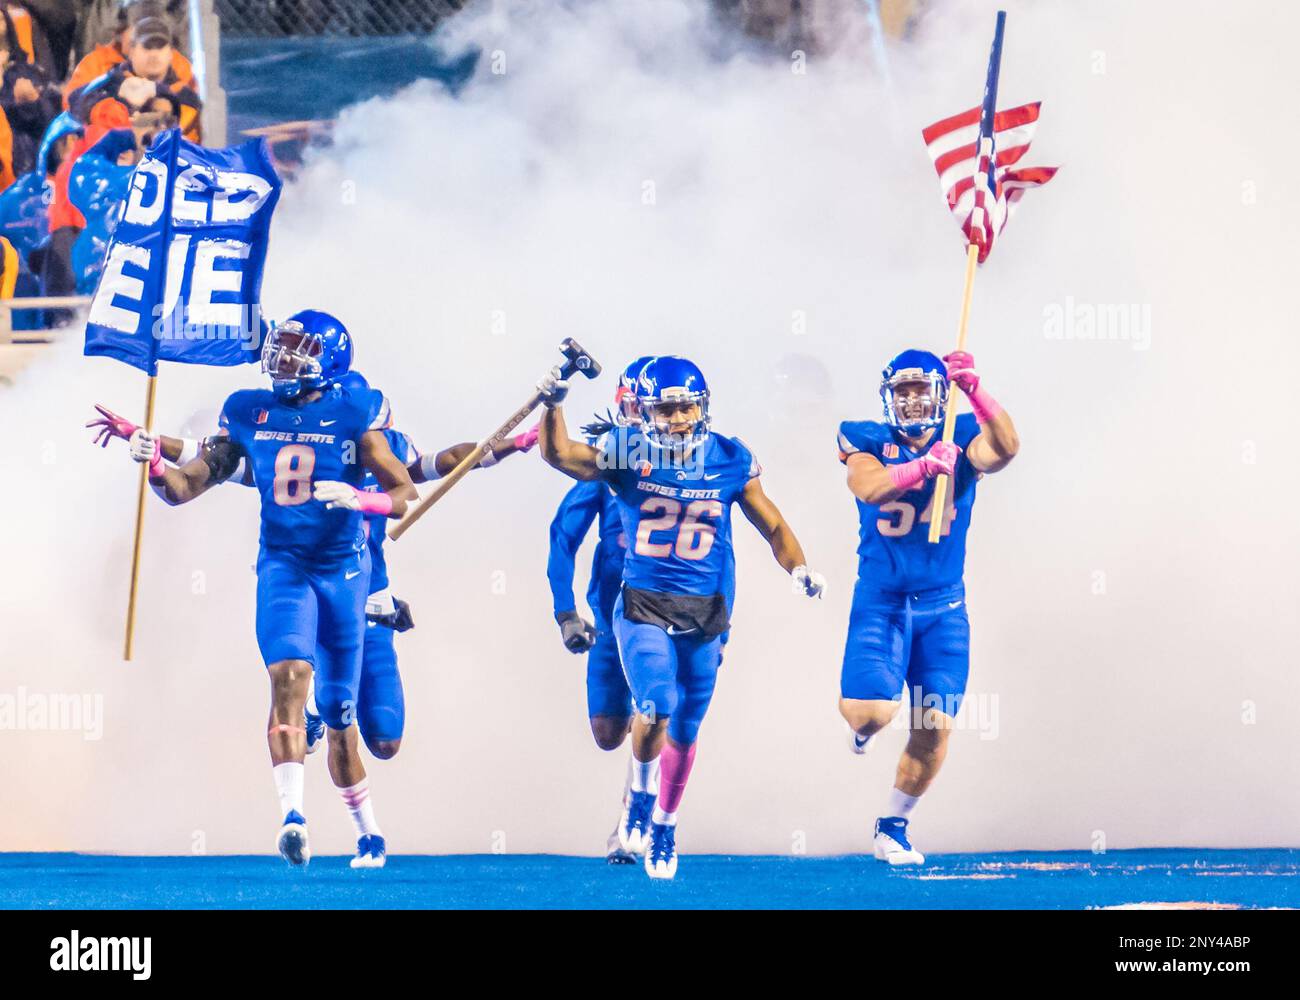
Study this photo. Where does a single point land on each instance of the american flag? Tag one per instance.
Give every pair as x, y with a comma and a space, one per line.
978, 174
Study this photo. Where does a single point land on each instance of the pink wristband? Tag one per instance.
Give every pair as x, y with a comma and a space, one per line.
375, 503
984, 406
156, 467
907, 475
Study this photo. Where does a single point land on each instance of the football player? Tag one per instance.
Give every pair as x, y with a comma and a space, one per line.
676, 481
308, 443
381, 706
908, 626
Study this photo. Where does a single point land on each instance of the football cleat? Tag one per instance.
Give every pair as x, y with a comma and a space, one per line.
614, 852
858, 744
292, 841
891, 843
372, 852
661, 853
634, 828
315, 727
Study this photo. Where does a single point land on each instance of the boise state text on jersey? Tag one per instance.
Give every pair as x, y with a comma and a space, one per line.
289, 447
678, 524
893, 547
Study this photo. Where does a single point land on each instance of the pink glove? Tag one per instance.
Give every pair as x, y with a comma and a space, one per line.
940, 460
527, 439
375, 503
961, 370
111, 426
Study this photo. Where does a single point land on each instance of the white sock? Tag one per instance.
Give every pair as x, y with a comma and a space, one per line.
645, 776
288, 785
360, 808
667, 819
901, 804
311, 697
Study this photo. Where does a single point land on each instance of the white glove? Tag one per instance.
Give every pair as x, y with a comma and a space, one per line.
142, 445
807, 582
553, 387
335, 495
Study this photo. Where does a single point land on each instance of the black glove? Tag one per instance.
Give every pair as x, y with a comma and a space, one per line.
399, 620
578, 635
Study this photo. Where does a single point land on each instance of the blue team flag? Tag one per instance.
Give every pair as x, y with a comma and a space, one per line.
182, 277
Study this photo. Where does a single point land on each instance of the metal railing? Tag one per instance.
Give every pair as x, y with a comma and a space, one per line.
8, 306
286, 18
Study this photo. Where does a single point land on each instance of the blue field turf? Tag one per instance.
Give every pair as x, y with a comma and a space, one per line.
1059, 880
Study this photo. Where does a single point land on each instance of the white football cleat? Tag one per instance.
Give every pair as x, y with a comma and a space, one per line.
891, 843
634, 827
292, 841
661, 851
858, 744
372, 852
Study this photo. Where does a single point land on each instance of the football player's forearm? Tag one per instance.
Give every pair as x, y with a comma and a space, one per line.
174, 486
171, 447
873, 486
1001, 435
573, 458
786, 548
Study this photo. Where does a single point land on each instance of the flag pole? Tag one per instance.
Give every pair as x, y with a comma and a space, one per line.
938, 505
150, 393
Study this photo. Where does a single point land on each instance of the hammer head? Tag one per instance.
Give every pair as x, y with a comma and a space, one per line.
576, 359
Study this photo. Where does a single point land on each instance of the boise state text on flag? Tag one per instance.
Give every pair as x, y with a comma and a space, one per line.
185, 284
978, 174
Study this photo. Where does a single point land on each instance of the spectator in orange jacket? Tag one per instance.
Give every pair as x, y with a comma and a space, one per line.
146, 77
102, 58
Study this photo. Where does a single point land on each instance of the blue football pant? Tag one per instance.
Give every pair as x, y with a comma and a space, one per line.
316, 614
381, 703
919, 640
669, 676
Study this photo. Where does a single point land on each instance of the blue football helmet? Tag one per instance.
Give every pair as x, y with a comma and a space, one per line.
922, 411
666, 384
625, 397
310, 350
354, 381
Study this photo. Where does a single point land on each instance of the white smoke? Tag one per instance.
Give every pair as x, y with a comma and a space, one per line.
626, 174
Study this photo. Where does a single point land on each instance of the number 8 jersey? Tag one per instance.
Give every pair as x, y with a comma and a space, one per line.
894, 551
679, 569
289, 447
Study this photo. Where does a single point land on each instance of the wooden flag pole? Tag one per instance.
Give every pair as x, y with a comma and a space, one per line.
150, 392
988, 115
938, 504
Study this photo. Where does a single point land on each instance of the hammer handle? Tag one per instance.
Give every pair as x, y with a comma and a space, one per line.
418, 509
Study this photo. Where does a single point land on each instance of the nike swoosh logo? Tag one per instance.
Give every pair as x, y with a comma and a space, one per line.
954, 604
714, 476
328, 423
349, 576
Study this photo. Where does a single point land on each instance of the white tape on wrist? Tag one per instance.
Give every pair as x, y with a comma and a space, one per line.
189, 451
429, 466
488, 460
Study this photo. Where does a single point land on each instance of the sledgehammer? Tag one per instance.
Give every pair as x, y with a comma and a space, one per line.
576, 359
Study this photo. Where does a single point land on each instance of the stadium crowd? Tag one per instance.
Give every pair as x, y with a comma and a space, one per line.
86, 87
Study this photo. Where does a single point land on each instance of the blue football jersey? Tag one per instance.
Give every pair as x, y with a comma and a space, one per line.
376, 525
289, 448
584, 503
678, 520
893, 538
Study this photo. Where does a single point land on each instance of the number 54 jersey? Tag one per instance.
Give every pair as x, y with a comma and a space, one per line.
679, 570
894, 551
291, 447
